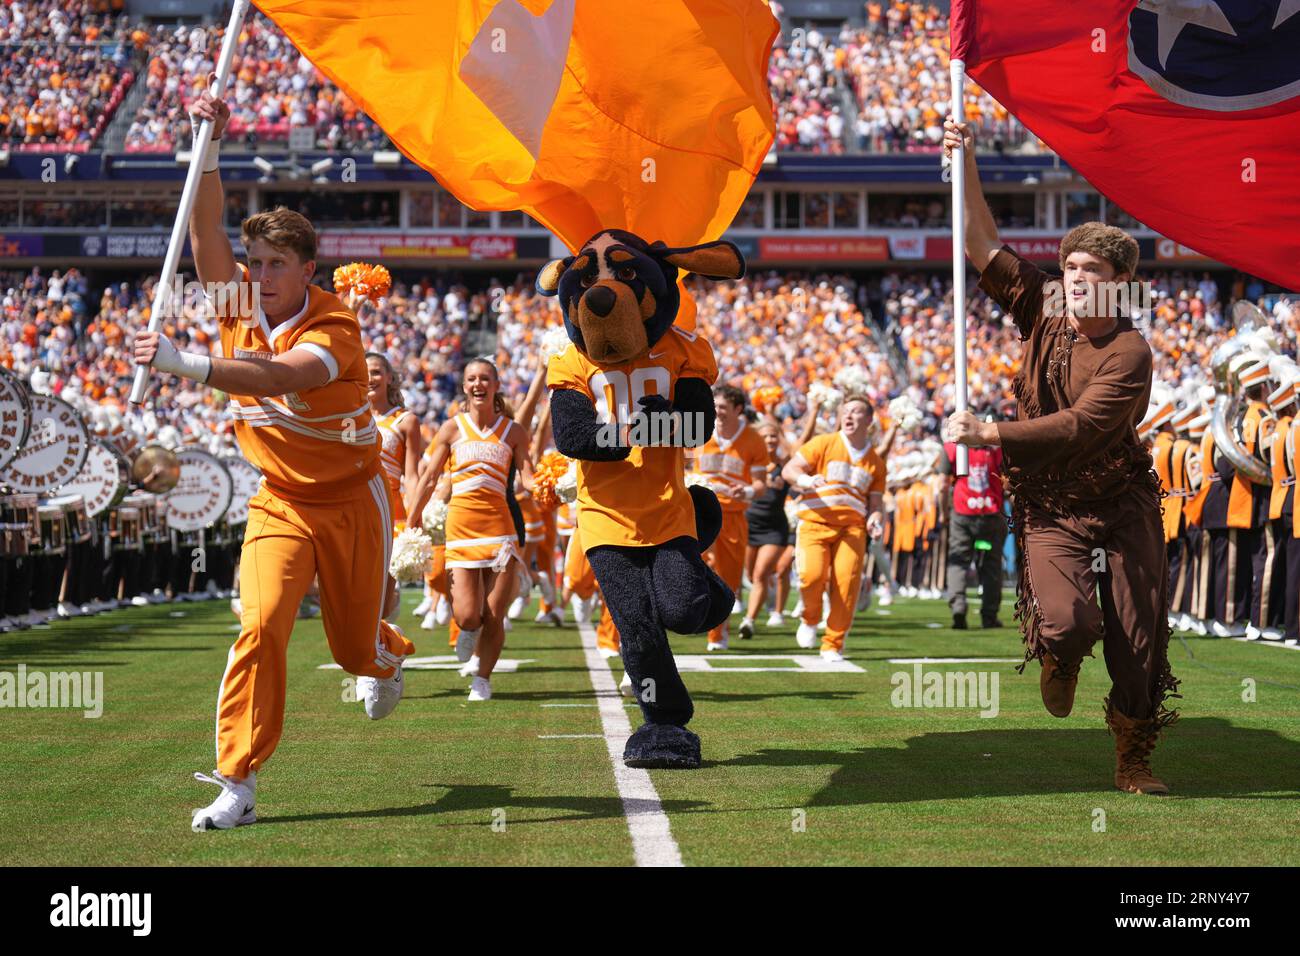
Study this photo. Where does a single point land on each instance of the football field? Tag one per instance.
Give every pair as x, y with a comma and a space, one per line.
805, 764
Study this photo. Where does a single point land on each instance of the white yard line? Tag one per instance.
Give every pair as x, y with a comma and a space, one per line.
652, 837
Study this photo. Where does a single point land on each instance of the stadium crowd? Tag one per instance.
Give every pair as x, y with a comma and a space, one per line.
880, 87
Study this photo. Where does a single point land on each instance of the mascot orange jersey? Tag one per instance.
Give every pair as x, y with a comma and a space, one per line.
641, 501
322, 442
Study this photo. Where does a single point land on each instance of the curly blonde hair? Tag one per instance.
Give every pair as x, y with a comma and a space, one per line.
1105, 242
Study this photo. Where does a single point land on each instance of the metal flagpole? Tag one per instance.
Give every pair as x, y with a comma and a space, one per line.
958, 170
200, 148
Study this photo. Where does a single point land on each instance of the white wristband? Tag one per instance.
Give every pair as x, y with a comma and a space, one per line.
805, 482
212, 158
185, 364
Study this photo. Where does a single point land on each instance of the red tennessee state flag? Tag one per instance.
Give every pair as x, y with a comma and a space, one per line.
1186, 113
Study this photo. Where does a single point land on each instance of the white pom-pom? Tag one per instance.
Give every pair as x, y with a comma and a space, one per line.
904, 412
412, 556
554, 342
853, 379
824, 397
434, 520
566, 486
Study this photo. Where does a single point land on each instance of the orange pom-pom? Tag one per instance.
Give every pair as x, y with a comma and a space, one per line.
765, 399
370, 282
549, 470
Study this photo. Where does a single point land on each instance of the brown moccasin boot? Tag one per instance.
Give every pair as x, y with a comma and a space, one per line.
1134, 741
1057, 683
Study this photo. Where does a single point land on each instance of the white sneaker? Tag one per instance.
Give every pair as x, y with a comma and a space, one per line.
428, 622
806, 636
469, 668
424, 607
465, 643
480, 689
233, 808
581, 612
157, 597
609, 653
776, 619
442, 612
885, 597
717, 645
1271, 634
1253, 633
381, 695
833, 657
517, 607
625, 686
140, 601
746, 629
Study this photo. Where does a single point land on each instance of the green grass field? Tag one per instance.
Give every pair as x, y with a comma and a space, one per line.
800, 767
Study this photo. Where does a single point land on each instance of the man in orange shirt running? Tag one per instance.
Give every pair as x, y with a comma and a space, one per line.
296, 374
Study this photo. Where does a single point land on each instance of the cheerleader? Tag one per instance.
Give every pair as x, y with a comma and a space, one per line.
481, 444
401, 446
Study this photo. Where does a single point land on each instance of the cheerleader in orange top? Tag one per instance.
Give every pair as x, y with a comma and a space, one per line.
734, 463
400, 445
538, 568
482, 444
842, 480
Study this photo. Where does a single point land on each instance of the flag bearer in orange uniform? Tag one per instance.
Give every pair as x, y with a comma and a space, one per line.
400, 446
484, 446
734, 462
297, 380
842, 480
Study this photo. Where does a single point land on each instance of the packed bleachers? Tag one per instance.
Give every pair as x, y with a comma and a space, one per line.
882, 87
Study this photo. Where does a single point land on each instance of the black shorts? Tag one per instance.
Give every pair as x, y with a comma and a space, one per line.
766, 532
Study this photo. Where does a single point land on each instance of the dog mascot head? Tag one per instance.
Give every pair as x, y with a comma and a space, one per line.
619, 294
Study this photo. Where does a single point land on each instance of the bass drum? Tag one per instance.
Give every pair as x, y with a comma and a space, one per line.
203, 494
247, 480
103, 481
15, 416
56, 449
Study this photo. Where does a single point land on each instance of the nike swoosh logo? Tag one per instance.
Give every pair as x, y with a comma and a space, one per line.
657, 354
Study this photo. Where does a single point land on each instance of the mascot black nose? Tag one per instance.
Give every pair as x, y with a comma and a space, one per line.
600, 299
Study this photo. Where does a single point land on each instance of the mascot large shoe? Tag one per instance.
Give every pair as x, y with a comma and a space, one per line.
629, 394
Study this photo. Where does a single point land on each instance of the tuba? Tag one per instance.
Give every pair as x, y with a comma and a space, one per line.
1248, 321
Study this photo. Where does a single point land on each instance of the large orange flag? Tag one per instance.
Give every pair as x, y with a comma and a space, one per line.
647, 115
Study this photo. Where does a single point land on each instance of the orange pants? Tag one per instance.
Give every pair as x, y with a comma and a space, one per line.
606, 632
828, 555
726, 557
287, 544
578, 575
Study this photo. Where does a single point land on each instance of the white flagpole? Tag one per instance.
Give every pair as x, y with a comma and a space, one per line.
958, 169
188, 194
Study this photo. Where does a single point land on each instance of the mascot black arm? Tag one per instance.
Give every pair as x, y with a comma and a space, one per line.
578, 432
695, 397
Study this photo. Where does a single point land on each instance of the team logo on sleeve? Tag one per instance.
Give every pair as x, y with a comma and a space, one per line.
1222, 55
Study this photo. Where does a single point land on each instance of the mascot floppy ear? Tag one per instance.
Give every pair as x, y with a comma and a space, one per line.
713, 260
548, 280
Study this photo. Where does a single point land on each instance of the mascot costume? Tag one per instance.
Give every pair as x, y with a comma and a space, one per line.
631, 391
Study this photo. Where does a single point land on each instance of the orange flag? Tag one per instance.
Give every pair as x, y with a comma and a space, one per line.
647, 115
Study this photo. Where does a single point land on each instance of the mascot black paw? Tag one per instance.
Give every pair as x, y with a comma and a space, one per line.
628, 396
662, 747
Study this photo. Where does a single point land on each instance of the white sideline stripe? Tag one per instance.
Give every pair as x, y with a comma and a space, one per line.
647, 824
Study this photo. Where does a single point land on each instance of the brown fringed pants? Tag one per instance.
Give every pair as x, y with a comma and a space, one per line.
1101, 577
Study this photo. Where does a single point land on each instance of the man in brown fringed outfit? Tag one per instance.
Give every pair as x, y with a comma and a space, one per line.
1086, 510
